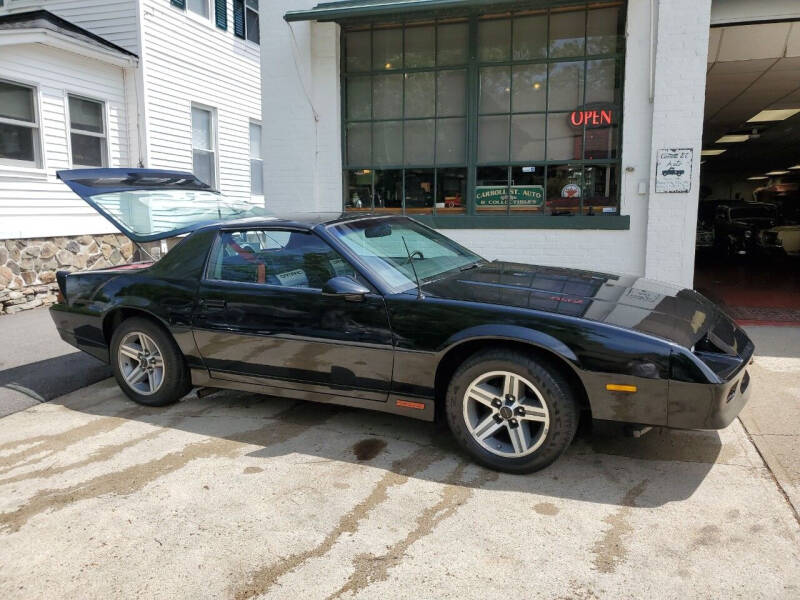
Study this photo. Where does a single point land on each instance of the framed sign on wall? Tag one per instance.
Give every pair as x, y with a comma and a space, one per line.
673, 170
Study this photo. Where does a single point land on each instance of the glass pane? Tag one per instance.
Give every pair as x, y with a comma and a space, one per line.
86, 115
604, 31
357, 51
601, 81
255, 140
494, 40
203, 167
451, 100
256, 178
387, 143
600, 142
420, 94
564, 141
387, 48
530, 37
359, 144
600, 190
359, 97
451, 190
493, 139
387, 96
491, 188
419, 190
16, 142
565, 89
251, 26
420, 46
452, 44
419, 142
564, 189
389, 190
16, 102
527, 188
529, 88
495, 89
451, 145
527, 137
567, 31
201, 129
198, 6
87, 150
358, 189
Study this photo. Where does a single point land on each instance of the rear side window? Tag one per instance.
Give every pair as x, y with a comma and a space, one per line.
292, 259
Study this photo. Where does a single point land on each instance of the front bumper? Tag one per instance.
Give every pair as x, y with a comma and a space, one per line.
708, 406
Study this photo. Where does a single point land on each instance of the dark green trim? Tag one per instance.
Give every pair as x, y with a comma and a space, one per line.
512, 221
178, 3
238, 18
404, 9
221, 13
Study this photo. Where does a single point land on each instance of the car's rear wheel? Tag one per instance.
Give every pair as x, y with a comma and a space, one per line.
147, 363
511, 412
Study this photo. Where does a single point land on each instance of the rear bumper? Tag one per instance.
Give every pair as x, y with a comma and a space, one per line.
85, 332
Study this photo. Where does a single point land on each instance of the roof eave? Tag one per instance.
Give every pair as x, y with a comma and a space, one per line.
48, 37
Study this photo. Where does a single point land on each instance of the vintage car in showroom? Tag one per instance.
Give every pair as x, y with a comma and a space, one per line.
384, 313
738, 227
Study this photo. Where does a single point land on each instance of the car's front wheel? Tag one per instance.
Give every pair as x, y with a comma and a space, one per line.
147, 363
511, 412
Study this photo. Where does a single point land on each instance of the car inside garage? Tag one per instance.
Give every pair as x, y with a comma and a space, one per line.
748, 225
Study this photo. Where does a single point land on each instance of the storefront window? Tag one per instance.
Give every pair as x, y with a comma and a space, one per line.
490, 115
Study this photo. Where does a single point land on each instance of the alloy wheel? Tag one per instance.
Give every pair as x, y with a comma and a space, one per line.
141, 363
506, 414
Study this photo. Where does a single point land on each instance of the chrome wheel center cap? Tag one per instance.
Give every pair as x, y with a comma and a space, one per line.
506, 413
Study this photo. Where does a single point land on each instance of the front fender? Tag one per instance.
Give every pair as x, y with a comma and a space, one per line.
511, 333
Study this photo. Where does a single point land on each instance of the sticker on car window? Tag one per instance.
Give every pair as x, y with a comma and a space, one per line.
295, 278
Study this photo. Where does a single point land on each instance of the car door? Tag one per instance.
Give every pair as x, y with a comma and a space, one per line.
261, 317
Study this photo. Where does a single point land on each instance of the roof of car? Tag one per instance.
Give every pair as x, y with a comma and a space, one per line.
307, 220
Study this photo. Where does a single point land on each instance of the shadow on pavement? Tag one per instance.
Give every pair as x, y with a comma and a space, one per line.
52, 377
600, 466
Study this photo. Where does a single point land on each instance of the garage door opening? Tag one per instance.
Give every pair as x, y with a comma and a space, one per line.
748, 225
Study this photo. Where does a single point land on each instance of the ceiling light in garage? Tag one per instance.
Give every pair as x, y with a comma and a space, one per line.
794, 168
778, 173
757, 178
774, 115
732, 139
712, 152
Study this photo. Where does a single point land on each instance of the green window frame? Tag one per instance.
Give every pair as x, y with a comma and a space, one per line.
595, 167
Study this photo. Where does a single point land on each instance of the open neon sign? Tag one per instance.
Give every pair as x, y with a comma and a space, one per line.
592, 117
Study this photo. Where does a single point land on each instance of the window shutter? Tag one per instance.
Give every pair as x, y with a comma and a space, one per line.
178, 3
238, 18
221, 13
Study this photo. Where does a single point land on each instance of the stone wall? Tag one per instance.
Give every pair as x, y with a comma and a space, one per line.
28, 266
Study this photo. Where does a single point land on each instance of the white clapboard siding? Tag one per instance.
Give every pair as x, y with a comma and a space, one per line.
113, 20
38, 205
189, 60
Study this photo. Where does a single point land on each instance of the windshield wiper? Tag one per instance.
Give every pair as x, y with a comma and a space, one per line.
474, 265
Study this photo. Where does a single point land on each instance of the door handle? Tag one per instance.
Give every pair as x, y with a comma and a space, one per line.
213, 304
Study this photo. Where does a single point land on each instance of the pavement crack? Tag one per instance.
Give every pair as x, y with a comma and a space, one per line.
261, 580
370, 568
610, 550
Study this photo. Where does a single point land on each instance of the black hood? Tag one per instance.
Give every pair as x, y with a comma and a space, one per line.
670, 312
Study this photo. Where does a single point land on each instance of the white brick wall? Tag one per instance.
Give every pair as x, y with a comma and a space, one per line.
303, 153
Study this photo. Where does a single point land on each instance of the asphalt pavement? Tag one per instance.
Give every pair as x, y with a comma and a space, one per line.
36, 365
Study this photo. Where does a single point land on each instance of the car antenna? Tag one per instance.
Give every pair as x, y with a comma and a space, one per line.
413, 268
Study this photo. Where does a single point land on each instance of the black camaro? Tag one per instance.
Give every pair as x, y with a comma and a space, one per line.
382, 312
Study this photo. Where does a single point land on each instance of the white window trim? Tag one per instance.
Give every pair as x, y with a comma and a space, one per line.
68, 124
197, 18
214, 139
244, 16
250, 158
24, 169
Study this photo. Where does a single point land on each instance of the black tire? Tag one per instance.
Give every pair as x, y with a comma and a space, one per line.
174, 383
560, 407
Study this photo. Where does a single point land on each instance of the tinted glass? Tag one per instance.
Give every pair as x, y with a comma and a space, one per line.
16, 142
87, 151
16, 102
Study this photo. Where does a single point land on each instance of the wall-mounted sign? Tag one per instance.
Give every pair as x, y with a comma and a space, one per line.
592, 116
571, 190
673, 170
487, 196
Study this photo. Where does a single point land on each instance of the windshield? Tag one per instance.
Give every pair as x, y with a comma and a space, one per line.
146, 213
381, 245
753, 212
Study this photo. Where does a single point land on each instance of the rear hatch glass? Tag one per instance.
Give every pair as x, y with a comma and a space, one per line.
149, 204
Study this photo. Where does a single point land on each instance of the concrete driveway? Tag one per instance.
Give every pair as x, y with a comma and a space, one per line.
240, 496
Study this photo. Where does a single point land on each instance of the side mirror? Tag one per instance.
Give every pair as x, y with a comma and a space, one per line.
345, 287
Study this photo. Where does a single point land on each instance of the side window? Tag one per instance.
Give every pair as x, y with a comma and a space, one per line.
276, 257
